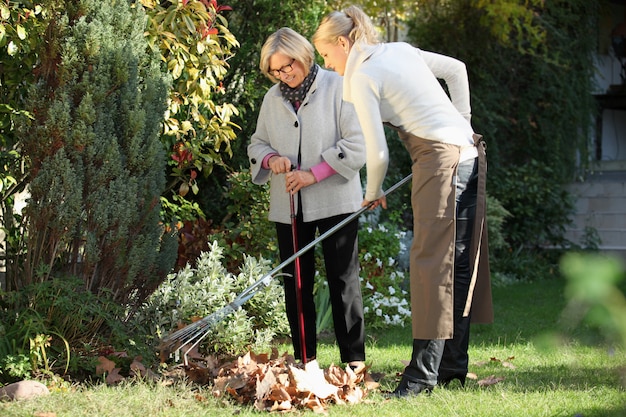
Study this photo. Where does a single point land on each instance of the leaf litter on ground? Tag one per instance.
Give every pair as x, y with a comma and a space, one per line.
278, 383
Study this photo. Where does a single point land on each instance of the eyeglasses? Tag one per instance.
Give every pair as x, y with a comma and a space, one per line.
285, 69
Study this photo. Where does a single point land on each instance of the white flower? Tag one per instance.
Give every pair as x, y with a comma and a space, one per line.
379, 263
379, 312
391, 261
369, 285
392, 290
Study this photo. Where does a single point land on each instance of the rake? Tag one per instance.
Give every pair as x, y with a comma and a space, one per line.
188, 337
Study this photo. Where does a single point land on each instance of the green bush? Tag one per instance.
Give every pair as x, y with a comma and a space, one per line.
199, 291
43, 324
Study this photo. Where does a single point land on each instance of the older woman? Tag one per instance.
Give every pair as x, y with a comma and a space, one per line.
304, 123
397, 85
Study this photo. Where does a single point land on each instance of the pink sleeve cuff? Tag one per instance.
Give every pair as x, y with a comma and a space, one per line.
322, 171
265, 164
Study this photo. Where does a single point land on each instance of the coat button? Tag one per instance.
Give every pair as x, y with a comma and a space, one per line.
295, 124
253, 160
341, 155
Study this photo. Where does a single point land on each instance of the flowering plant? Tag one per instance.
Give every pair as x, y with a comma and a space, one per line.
385, 298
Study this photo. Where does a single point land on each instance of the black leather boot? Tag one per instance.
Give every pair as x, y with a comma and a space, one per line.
409, 387
421, 373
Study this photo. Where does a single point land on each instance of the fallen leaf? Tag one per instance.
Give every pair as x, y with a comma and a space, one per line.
137, 368
490, 380
114, 376
104, 365
197, 373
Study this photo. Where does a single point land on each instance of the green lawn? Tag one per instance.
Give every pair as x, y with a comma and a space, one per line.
577, 377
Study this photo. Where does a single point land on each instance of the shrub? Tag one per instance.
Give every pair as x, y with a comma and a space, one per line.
199, 291
44, 323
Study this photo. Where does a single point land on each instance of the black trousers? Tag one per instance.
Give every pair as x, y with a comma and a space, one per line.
341, 262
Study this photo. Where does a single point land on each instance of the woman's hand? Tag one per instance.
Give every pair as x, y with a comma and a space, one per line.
296, 180
382, 201
279, 164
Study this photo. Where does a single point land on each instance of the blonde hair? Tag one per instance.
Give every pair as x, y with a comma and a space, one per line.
351, 23
288, 42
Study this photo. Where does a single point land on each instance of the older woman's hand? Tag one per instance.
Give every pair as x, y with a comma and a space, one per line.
279, 164
296, 180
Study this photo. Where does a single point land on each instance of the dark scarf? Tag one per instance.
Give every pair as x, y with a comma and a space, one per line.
296, 95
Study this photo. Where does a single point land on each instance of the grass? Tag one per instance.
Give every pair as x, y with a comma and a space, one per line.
574, 376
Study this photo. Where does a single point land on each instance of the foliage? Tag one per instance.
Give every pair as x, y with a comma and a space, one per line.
385, 298
95, 151
594, 295
390, 16
21, 27
530, 99
245, 229
195, 44
525, 192
201, 290
42, 323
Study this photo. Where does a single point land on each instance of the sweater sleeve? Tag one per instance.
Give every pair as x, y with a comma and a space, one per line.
366, 98
454, 73
322, 171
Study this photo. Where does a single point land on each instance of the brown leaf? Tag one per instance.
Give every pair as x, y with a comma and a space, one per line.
507, 364
264, 388
370, 382
114, 376
104, 365
137, 368
197, 373
490, 380
44, 414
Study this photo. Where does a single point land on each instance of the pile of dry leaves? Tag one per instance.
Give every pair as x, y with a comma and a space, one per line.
278, 383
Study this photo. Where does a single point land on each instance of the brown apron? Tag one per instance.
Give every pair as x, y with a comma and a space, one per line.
434, 229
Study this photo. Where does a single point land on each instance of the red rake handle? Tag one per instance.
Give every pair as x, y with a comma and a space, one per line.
298, 278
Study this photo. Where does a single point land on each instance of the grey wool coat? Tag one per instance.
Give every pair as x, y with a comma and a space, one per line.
325, 128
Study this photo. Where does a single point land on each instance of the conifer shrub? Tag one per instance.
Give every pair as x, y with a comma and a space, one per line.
98, 166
